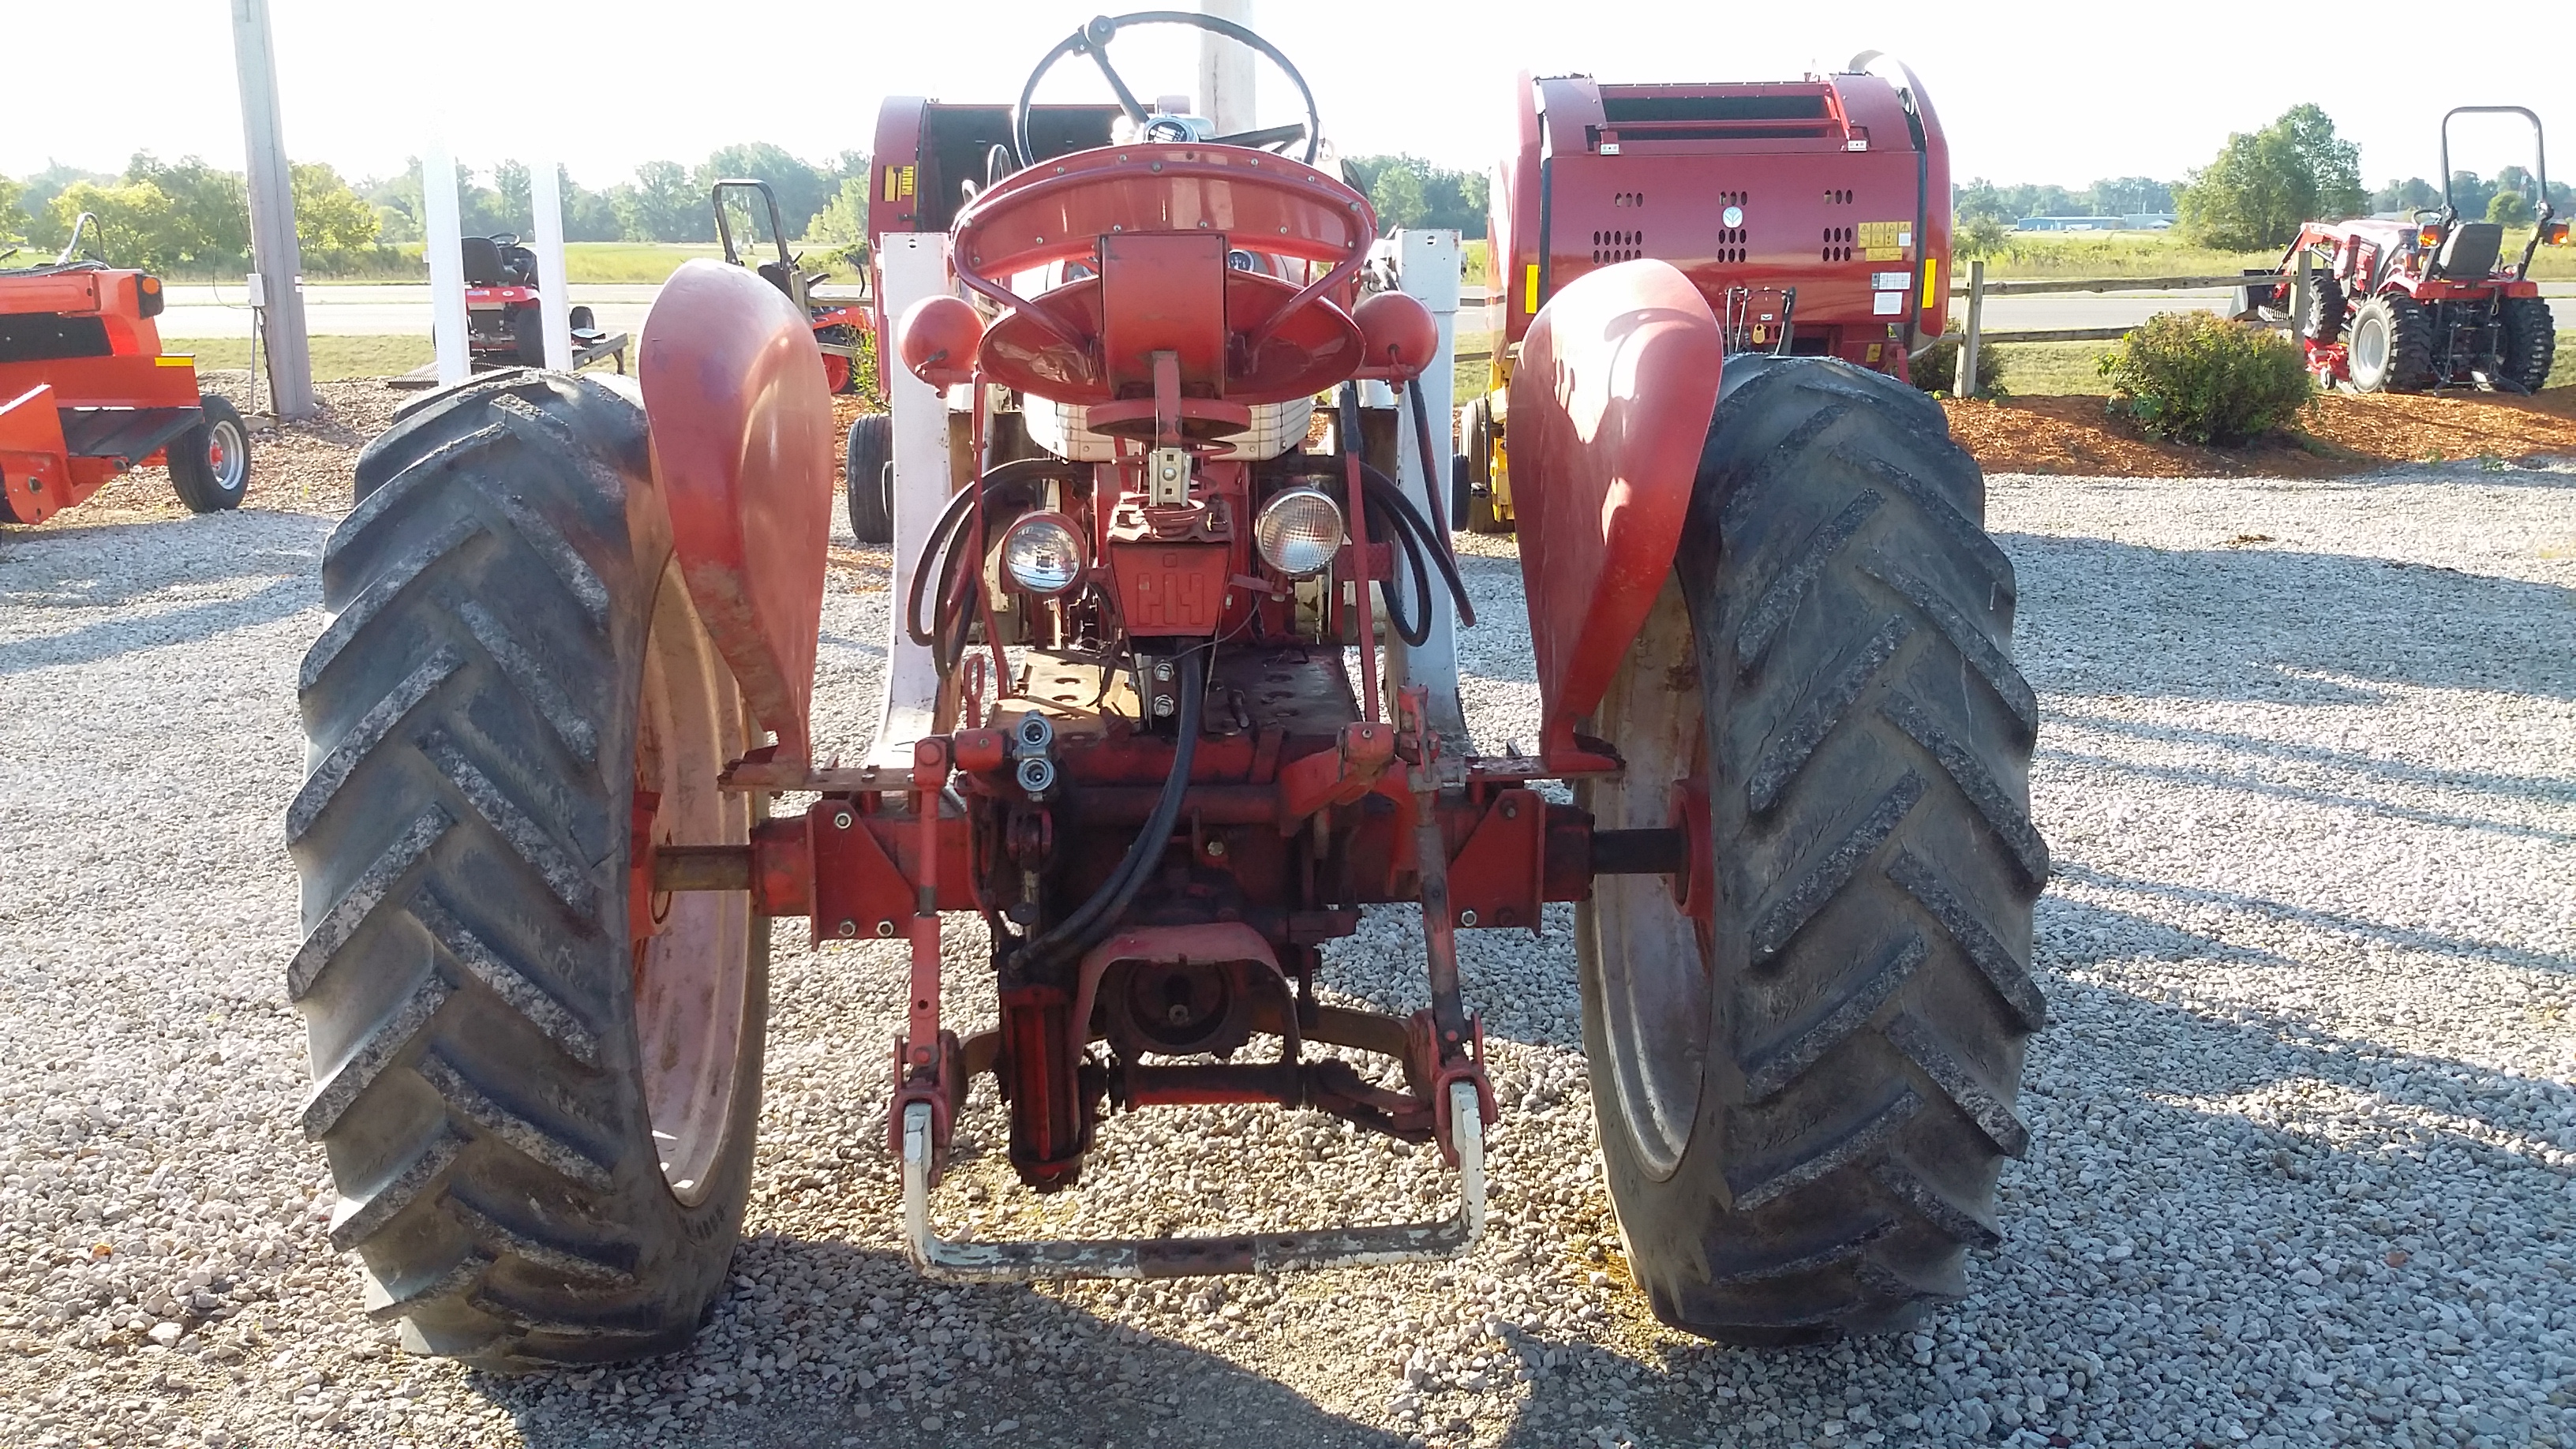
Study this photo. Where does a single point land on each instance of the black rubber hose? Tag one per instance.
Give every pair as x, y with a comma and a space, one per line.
1432, 478
1412, 623
1383, 489
1078, 931
1017, 473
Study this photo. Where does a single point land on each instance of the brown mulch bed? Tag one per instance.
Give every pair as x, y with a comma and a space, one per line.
2338, 434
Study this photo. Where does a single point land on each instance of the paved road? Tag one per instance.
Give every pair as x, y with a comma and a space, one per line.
201, 311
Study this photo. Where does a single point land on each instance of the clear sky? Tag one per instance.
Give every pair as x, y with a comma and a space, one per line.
2062, 92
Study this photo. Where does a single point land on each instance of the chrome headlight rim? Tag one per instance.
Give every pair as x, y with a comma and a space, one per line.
1270, 521
1021, 529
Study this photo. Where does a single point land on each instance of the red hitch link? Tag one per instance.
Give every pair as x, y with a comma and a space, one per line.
1457, 1038
930, 1066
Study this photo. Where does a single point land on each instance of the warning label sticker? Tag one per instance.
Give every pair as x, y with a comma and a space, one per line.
1885, 241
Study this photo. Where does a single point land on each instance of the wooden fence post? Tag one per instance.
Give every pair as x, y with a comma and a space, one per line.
1965, 384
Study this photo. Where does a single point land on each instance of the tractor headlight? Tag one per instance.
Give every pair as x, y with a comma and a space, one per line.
1042, 553
1298, 531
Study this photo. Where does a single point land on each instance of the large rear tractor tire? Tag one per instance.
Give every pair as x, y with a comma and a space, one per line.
538, 1104
1804, 1063
2530, 342
867, 477
2390, 345
210, 463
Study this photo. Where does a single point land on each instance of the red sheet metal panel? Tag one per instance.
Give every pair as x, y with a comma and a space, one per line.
742, 447
1610, 408
34, 479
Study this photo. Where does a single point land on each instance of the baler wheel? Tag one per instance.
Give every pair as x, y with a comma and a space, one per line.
2390, 345
868, 478
2530, 341
210, 463
1804, 1061
538, 1104
1480, 514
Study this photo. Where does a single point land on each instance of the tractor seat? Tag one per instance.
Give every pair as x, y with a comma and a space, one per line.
776, 275
2469, 251
483, 263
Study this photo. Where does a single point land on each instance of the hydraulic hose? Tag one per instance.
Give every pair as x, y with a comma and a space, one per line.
1411, 623
1095, 916
1435, 481
1000, 478
1417, 529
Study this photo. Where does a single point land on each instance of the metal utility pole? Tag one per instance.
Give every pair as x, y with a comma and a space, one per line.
1226, 70
272, 212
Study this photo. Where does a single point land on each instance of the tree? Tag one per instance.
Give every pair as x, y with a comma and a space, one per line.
2509, 208
1398, 198
802, 189
842, 227
1455, 200
2412, 194
2471, 193
661, 206
510, 184
208, 224
2263, 184
1981, 235
2130, 196
13, 218
132, 221
333, 224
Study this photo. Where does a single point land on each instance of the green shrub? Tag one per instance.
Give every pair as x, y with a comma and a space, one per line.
1937, 370
2199, 378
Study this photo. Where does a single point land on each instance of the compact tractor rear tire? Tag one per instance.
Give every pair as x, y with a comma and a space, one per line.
210, 463
2327, 307
1805, 1096
867, 476
2390, 345
2530, 341
540, 1119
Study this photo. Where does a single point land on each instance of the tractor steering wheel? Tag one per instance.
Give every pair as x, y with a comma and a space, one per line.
1093, 40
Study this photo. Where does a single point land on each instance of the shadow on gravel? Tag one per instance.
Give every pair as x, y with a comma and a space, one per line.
1064, 1376
187, 624
2265, 624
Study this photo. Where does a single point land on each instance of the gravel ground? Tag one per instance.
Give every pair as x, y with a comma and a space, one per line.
2304, 1130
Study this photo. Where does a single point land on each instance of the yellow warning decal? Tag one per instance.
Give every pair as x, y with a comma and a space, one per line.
1931, 283
182, 360
898, 182
1879, 236
1529, 288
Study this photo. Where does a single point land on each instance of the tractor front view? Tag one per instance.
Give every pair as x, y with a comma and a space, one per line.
1811, 215
86, 392
1171, 699
2410, 306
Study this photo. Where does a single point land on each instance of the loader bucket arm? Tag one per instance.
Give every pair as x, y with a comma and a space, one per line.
742, 447
1610, 408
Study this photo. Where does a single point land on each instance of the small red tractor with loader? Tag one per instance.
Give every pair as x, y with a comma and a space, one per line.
1171, 699
1812, 215
837, 327
2411, 306
86, 392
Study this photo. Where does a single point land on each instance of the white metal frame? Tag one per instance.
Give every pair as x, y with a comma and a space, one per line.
1427, 271
911, 266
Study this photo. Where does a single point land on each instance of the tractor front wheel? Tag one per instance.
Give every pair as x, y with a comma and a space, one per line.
210, 463
2390, 347
536, 1080
1805, 1052
2530, 342
2326, 308
528, 335
867, 475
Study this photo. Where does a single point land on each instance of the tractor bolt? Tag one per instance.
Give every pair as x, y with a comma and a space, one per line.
1466, 918
1216, 849
885, 930
1163, 673
840, 820
849, 929
1511, 810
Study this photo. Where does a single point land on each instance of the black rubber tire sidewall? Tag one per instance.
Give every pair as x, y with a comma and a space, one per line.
864, 481
192, 474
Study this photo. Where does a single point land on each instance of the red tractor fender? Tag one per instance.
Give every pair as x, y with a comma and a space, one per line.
1610, 408
742, 448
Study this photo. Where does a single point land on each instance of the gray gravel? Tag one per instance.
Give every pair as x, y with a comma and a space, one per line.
2304, 1167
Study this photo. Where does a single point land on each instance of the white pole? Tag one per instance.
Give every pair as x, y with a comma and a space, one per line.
272, 210
554, 288
1226, 70
442, 239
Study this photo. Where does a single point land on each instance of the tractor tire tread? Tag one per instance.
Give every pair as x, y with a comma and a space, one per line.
1864, 718
461, 836
869, 503
2530, 341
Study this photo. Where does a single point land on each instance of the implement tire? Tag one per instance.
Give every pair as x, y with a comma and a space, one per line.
867, 478
1805, 1077
538, 1107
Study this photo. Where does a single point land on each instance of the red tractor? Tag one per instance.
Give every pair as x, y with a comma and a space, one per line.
87, 393
1813, 215
569, 675
2410, 306
504, 314
836, 327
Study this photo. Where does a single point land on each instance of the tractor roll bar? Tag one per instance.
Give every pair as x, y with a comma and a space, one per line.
2540, 175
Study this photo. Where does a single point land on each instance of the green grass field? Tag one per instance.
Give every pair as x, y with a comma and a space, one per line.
2162, 254
334, 358
2053, 369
